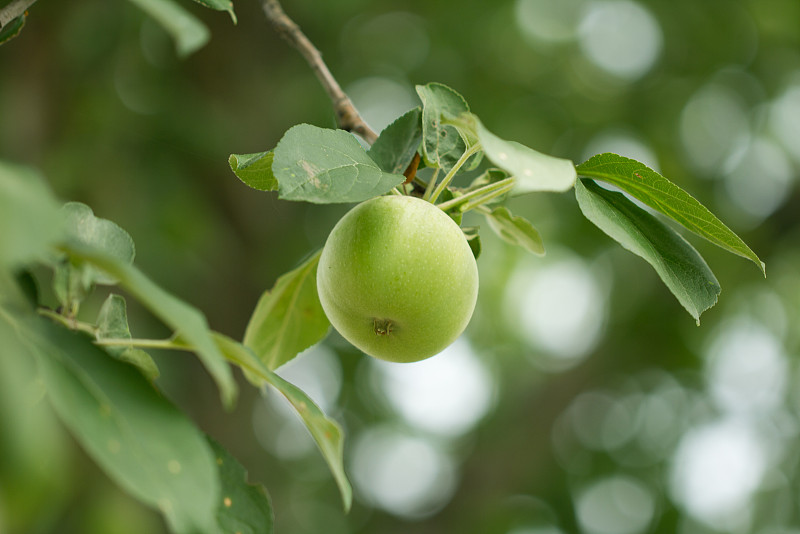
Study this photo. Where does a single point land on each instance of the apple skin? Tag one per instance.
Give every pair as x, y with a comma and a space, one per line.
397, 278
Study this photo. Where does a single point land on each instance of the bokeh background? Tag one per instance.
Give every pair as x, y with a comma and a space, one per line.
582, 398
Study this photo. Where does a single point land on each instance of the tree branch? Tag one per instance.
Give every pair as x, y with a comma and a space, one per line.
14, 10
347, 117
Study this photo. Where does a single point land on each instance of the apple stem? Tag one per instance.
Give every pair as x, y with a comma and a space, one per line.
431, 184
479, 196
449, 176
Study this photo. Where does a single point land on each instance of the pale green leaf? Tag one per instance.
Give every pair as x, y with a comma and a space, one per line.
288, 318
326, 433
243, 508
29, 218
188, 32
532, 170
515, 230
112, 323
145, 444
255, 170
188, 322
677, 263
219, 5
654, 190
398, 143
327, 166
443, 144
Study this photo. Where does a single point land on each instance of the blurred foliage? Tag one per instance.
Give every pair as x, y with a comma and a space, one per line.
94, 96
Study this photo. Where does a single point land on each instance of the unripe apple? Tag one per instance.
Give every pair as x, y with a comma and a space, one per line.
397, 278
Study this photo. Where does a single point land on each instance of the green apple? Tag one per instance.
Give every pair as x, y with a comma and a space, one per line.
397, 278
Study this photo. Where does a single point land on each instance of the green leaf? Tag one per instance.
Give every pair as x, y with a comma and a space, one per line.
396, 145
255, 170
515, 230
288, 318
186, 320
662, 195
219, 5
532, 170
112, 323
327, 166
442, 143
145, 444
81, 225
243, 508
188, 32
29, 219
12, 29
678, 264
326, 433
473, 239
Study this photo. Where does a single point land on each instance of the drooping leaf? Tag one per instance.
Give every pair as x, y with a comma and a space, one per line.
327, 166
326, 433
145, 444
515, 230
662, 195
396, 145
677, 263
12, 29
473, 239
29, 219
188, 32
112, 323
186, 320
442, 145
288, 318
532, 170
243, 508
219, 5
255, 170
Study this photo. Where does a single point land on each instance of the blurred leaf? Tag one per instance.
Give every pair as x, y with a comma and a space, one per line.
442, 143
29, 217
186, 320
396, 145
219, 5
288, 318
473, 239
327, 166
532, 170
244, 508
662, 195
144, 443
12, 29
188, 32
326, 433
515, 230
112, 323
678, 264
255, 170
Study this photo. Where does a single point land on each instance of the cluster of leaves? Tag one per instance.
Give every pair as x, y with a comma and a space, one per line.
320, 165
188, 32
100, 381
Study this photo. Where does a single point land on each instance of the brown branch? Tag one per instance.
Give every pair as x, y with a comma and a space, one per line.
13, 10
347, 117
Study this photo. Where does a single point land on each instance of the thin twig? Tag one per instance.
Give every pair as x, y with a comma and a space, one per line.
347, 116
14, 10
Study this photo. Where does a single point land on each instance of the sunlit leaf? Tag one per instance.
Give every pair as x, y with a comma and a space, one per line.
186, 320
662, 195
678, 264
327, 166
326, 433
515, 230
243, 508
144, 443
255, 170
288, 318
188, 32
